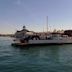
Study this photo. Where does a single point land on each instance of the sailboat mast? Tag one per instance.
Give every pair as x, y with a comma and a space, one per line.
47, 23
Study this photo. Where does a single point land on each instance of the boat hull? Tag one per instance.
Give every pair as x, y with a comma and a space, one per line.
42, 43
29, 45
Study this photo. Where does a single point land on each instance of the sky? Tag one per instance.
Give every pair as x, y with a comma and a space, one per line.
14, 14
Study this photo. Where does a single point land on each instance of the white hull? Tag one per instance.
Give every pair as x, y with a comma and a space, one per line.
44, 42
49, 41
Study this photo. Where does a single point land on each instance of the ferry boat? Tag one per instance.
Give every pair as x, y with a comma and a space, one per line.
28, 38
53, 38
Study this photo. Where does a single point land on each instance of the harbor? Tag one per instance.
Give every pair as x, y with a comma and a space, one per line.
35, 35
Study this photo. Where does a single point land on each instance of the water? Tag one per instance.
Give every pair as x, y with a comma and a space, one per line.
56, 58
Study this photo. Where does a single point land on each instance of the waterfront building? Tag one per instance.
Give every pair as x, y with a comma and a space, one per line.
23, 32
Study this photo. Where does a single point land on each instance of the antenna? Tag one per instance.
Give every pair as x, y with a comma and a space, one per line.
47, 23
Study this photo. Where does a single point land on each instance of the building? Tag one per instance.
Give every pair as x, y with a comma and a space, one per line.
23, 32
68, 32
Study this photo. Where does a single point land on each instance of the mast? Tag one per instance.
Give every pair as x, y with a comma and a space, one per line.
47, 23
